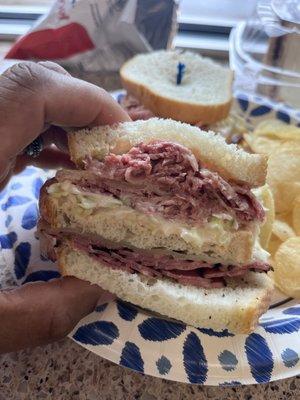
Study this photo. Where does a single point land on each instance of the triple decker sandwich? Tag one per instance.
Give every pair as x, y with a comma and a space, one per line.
164, 216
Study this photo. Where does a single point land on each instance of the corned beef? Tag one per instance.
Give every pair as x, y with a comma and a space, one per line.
165, 178
184, 271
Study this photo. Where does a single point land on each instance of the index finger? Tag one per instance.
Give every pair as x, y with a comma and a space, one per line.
32, 95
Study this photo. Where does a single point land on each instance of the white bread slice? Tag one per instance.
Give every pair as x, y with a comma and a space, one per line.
136, 229
236, 307
229, 161
204, 94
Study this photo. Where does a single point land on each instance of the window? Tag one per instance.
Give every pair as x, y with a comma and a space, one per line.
215, 12
203, 24
27, 3
227, 12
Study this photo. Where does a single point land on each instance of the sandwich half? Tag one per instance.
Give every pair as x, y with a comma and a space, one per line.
202, 97
163, 215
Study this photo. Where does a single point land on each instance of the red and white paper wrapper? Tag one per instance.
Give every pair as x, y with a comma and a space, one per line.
98, 35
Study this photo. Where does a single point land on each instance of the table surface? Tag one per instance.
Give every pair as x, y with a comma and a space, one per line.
64, 371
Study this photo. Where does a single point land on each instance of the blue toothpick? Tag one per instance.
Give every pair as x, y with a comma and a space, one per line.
180, 72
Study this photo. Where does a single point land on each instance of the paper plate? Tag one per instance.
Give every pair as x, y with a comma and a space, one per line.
148, 343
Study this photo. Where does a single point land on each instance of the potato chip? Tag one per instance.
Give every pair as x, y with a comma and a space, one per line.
296, 216
286, 217
282, 230
277, 129
289, 145
284, 177
264, 194
262, 145
287, 267
273, 245
281, 142
285, 195
267, 145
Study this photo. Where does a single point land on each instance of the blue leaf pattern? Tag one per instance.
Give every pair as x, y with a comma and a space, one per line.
30, 217
292, 311
36, 187
194, 360
101, 307
158, 330
8, 221
260, 357
7, 241
22, 256
3, 193
16, 186
13, 201
163, 365
260, 110
290, 358
42, 275
126, 311
282, 326
283, 116
97, 333
243, 102
120, 97
28, 171
131, 357
228, 360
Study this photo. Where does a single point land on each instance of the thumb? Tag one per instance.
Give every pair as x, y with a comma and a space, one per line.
43, 312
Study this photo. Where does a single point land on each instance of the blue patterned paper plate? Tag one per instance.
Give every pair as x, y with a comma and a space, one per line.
148, 343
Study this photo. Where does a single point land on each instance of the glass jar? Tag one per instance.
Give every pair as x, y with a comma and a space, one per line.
265, 52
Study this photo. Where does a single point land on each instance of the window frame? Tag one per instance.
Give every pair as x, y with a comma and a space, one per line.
198, 33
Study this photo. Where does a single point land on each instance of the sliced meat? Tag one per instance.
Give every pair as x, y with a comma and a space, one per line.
195, 278
134, 108
165, 178
186, 272
137, 111
145, 262
161, 262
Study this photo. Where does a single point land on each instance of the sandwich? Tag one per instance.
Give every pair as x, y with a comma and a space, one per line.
180, 85
164, 216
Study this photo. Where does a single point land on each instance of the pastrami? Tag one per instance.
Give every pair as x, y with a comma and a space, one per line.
165, 178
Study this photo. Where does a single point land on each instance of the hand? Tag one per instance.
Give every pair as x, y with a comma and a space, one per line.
32, 97
36, 96
43, 312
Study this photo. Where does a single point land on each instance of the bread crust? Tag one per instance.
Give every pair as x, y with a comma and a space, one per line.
163, 105
236, 307
169, 108
48, 210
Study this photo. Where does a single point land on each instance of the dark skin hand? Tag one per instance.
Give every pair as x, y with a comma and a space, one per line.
36, 98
